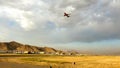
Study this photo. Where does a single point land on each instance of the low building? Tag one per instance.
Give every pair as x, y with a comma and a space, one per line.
41, 52
27, 52
2, 52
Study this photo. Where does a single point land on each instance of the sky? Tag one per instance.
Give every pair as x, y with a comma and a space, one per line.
93, 25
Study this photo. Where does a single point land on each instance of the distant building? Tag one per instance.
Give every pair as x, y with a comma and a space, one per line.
10, 51
59, 53
18, 52
27, 52
41, 52
1, 51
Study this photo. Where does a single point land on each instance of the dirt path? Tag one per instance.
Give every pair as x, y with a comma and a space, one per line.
17, 65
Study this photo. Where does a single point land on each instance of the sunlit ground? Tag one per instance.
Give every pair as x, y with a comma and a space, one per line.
65, 61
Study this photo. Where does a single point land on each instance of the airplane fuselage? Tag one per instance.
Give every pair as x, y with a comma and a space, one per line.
67, 15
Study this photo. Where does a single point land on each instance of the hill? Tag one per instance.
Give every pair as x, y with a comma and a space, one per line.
15, 46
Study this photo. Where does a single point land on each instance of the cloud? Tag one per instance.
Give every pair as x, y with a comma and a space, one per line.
43, 20
17, 15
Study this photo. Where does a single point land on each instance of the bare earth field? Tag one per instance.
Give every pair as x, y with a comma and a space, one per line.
45, 61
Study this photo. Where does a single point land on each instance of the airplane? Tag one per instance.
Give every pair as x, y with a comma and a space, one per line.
67, 15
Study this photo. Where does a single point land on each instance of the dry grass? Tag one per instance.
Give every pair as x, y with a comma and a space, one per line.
67, 61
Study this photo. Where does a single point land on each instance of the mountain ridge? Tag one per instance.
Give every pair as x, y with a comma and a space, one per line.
16, 46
